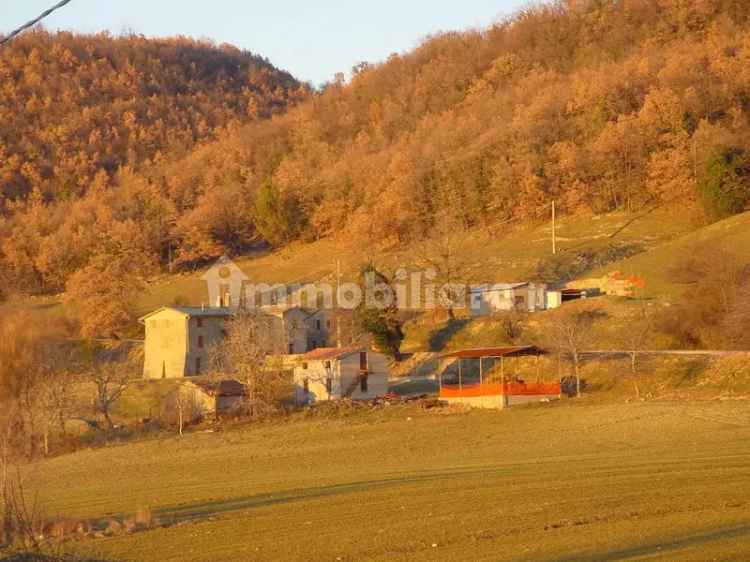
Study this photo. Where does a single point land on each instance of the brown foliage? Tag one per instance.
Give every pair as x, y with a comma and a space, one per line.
600, 105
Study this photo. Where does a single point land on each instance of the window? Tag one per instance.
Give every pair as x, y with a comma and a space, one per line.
197, 365
200, 342
291, 349
199, 321
363, 382
317, 324
304, 366
329, 386
313, 344
327, 365
306, 385
328, 324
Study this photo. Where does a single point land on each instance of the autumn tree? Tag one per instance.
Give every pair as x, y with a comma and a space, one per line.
102, 293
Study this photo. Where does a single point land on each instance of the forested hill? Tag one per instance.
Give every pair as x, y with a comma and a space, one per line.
599, 104
76, 108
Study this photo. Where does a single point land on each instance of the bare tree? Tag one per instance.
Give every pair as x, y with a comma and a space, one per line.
572, 331
252, 352
512, 324
111, 380
635, 337
56, 401
443, 253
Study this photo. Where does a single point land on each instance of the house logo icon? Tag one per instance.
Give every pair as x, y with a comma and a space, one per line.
224, 281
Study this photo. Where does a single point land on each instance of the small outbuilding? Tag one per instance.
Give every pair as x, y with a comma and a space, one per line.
334, 373
495, 377
505, 297
198, 400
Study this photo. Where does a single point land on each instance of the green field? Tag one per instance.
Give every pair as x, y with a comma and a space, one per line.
573, 481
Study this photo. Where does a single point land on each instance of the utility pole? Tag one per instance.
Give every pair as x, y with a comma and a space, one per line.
554, 229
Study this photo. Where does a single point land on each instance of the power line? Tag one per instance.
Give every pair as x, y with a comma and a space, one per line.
33, 22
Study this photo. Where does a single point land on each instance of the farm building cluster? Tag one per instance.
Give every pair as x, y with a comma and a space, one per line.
178, 342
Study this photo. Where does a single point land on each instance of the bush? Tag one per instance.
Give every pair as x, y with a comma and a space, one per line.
566, 266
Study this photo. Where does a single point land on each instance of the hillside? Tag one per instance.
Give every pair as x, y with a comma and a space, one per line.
602, 106
503, 254
79, 113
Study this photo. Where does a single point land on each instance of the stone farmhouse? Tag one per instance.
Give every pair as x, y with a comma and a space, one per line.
178, 339
334, 373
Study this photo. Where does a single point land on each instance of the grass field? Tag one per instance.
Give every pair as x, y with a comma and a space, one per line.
573, 481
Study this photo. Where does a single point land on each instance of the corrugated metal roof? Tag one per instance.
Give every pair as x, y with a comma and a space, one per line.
328, 353
510, 351
490, 287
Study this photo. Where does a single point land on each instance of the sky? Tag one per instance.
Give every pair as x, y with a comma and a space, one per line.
312, 39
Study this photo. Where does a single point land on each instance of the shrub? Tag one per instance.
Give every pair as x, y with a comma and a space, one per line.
566, 266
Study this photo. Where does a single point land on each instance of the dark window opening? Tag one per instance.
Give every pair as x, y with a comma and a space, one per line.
317, 324
363, 382
200, 342
197, 365
200, 322
291, 349
304, 366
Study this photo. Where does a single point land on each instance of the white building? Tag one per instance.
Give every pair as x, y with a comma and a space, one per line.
335, 373
528, 297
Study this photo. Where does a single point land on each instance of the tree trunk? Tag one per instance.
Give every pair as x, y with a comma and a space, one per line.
179, 415
577, 372
110, 424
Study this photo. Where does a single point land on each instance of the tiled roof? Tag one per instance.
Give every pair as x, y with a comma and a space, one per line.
328, 353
